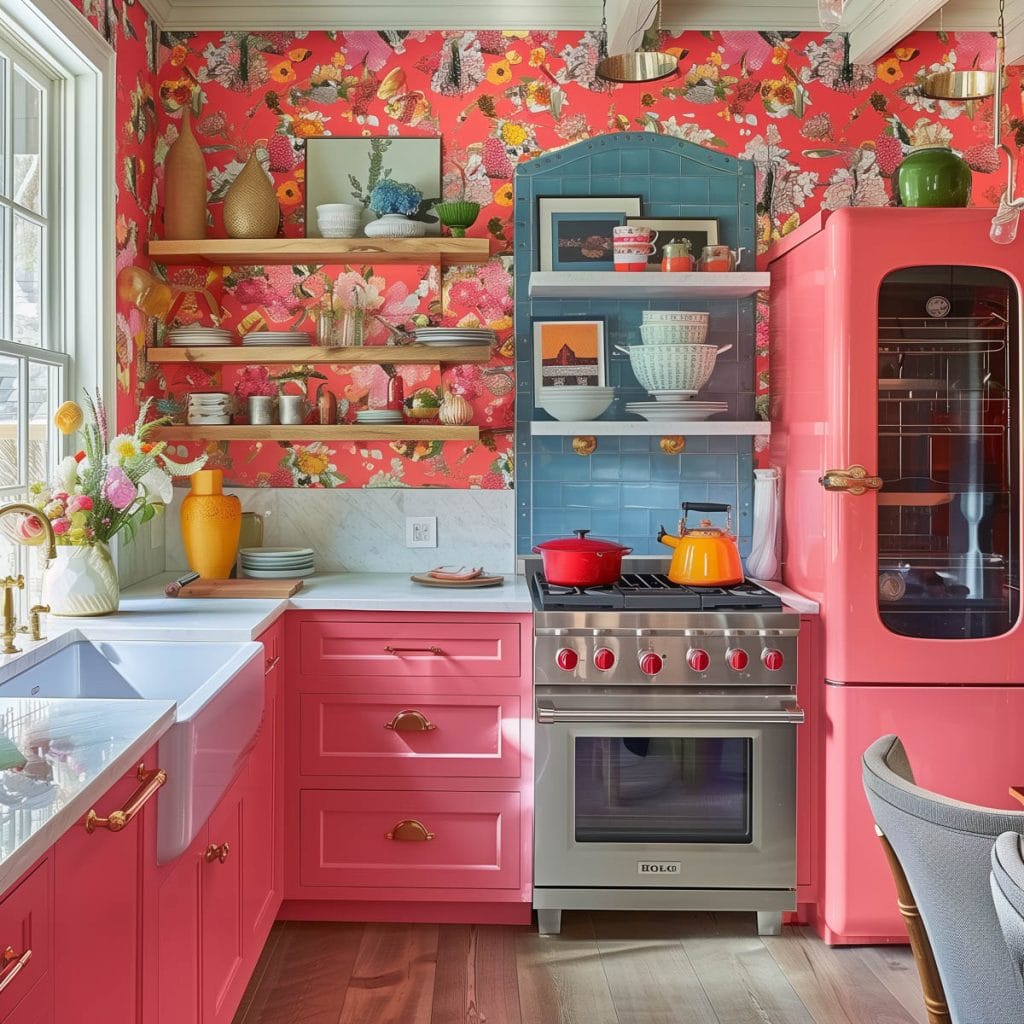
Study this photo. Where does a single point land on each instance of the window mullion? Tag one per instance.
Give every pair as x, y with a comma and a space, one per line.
23, 418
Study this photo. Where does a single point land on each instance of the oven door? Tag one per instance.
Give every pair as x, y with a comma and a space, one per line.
679, 797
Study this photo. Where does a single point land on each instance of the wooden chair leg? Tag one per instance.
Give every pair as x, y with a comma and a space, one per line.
931, 983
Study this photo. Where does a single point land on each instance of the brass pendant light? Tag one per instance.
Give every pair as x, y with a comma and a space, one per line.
963, 85
637, 65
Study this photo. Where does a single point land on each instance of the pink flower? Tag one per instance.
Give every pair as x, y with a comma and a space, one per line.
61, 526
118, 488
79, 503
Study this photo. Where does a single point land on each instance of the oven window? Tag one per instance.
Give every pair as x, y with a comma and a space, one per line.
663, 790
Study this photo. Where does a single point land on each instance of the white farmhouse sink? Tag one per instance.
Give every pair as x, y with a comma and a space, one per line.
219, 691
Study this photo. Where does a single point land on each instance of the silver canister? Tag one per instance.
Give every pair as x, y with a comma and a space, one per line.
261, 409
293, 409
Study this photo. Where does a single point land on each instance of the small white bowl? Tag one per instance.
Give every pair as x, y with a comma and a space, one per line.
575, 407
338, 210
673, 334
675, 316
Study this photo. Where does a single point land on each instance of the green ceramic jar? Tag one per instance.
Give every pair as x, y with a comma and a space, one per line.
934, 176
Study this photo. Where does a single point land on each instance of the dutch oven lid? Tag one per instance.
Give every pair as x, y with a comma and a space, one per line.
581, 542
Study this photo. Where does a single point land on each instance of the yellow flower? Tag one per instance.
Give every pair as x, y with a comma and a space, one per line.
124, 447
890, 70
538, 55
499, 72
283, 73
68, 418
503, 197
513, 57
288, 193
715, 58
178, 55
307, 128
311, 463
299, 54
513, 134
779, 55
538, 94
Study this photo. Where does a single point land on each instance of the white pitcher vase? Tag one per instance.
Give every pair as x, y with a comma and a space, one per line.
81, 580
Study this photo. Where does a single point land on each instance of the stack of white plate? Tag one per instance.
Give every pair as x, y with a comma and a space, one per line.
209, 408
379, 416
277, 338
192, 337
276, 563
455, 336
679, 411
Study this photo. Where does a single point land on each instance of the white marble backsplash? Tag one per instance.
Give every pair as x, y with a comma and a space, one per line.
142, 556
364, 530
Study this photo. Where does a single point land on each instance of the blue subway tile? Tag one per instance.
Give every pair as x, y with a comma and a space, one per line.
635, 468
665, 190
607, 162
561, 467
712, 468
605, 466
635, 161
606, 523
665, 467
576, 495
634, 520
653, 495
547, 495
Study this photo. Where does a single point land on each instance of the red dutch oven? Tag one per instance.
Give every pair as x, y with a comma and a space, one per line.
581, 561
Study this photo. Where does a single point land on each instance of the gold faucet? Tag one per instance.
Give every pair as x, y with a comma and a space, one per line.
10, 584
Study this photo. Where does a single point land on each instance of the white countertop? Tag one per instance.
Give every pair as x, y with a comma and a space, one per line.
76, 750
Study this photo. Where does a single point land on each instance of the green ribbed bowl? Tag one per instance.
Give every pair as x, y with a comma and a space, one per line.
458, 215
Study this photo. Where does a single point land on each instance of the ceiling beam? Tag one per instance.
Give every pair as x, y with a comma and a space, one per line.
876, 26
627, 20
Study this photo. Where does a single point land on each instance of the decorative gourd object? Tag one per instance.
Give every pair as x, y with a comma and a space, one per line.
455, 410
251, 209
185, 185
211, 523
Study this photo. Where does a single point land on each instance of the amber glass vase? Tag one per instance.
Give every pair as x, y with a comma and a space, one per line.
211, 522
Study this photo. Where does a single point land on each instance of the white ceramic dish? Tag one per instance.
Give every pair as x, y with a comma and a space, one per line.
574, 407
672, 367
277, 574
675, 316
264, 552
673, 334
672, 396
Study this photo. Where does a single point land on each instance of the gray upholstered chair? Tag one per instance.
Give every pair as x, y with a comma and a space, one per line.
1008, 892
943, 848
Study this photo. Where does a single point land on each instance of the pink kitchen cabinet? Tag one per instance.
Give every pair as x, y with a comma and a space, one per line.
26, 945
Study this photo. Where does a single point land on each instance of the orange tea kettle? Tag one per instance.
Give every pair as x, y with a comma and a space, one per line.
705, 556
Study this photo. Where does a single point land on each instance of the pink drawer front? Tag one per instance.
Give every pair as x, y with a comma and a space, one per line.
479, 651
474, 844
25, 938
389, 734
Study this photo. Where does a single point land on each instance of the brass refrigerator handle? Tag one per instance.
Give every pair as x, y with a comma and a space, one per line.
150, 781
11, 964
854, 480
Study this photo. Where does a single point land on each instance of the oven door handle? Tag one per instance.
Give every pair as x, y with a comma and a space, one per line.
548, 714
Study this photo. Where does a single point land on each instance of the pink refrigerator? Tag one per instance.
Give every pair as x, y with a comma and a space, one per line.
896, 394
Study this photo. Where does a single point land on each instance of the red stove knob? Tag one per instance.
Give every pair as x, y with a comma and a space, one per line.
698, 659
567, 659
772, 659
650, 663
736, 659
604, 659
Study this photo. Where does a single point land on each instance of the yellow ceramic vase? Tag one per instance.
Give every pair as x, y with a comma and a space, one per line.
211, 522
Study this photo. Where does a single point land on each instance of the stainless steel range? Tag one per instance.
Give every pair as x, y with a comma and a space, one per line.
666, 749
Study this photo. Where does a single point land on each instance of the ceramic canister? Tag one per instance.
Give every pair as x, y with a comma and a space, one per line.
211, 522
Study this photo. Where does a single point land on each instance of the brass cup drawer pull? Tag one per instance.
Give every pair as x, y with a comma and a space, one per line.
414, 650
217, 852
854, 480
150, 781
410, 721
11, 965
410, 831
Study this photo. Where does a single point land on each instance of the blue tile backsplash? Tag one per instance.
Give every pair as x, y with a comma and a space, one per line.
629, 486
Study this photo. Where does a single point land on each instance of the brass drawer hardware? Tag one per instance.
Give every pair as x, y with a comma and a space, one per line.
215, 852
410, 831
150, 781
410, 721
11, 964
413, 650
854, 480
272, 664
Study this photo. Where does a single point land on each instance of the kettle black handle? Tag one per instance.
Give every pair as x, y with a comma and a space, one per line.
582, 534
705, 506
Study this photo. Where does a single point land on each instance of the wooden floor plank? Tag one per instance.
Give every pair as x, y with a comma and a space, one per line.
259, 971
476, 981
649, 974
894, 966
393, 978
561, 978
834, 983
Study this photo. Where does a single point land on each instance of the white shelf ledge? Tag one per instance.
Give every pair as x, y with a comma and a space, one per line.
600, 284
646, 428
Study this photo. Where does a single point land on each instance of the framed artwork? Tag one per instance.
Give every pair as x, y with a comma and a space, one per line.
344, 170
568, 352
698, 232
576, 231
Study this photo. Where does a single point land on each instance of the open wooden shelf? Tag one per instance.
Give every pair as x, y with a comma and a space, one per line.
250, 354
253, 251
648, 428
652, 284
348, 432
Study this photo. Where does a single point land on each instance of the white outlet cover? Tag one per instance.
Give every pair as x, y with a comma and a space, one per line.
421, 531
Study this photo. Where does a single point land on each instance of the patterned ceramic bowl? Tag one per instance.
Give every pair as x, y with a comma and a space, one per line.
673, 367
673, 334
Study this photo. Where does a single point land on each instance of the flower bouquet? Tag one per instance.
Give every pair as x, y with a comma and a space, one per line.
111, 486
395, 203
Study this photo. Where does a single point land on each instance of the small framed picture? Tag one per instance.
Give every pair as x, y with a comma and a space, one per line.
576, 231
698, 232
568, 352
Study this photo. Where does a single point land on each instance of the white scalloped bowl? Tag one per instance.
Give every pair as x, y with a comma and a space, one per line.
673, 334
673, 367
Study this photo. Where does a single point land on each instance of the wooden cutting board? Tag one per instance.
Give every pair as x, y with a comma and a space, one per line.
241, 588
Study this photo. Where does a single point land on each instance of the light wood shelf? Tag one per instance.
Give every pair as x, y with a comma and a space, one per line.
403, 354
254, 251
348, 432
652, 284
647, 428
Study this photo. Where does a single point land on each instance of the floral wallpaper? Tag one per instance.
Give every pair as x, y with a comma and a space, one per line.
822, 133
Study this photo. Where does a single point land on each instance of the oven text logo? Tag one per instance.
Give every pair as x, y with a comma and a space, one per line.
657, 867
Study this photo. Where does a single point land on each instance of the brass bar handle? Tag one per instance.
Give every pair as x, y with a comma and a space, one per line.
854, 480
11, 965
269, 666
150, 781
413, 650
217, 852
410, 831
410, 720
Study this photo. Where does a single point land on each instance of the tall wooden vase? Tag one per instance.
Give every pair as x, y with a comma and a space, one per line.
251, 209
211, 523
185, 185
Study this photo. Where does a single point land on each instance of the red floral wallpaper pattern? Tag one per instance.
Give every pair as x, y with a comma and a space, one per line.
822, 133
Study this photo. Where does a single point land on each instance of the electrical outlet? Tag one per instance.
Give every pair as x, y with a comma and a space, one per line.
421, 531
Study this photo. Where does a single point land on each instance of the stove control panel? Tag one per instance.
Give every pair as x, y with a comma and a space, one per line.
604, 659
650, 663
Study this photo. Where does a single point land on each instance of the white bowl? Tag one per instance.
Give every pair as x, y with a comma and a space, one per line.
338, 210
673, 367
343, 231
673, 334
575, 407
674, 316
